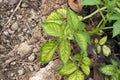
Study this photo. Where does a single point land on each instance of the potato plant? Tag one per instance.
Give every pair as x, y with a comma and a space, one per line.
67, 26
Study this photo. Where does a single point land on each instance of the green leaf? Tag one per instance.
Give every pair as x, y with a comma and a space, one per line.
62, 12
52, 29
73, 20
96, 41
116, 28
85, 69
55, 17
116, 77
113, 62
98, 48
67, 69
108, 70
115, 17
47, 50
77, 75
90, 2
77, 57
103, 40
86, 61
64, 51
83, 39
106, 50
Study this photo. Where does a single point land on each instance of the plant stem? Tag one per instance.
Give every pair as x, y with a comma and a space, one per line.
107, 28
101, 12
86, 17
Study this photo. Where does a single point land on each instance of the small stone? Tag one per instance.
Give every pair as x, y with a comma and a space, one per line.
6, 33
13, 63
25, 30
35, 50
10, 31
31, 68
24, 5
21, 72
31, 57
14, 26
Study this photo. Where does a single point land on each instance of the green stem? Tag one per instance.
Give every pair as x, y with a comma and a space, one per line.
86, 17
97, 29
107, 28
101, 12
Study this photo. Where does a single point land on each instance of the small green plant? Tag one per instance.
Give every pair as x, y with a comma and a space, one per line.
66, 26
101, 47
111, 70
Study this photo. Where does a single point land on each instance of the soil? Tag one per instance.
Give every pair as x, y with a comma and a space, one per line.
21, 37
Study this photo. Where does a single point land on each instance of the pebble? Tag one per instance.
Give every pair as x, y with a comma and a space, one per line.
35, 50
6, 33
14, 26
31, 57
31, 68
21, 71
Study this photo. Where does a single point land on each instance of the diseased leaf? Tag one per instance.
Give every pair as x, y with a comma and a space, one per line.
103, 40
47, 50
52, 29
85, 69
55, 17
83, 39
116, 28
106, 50
90, 2
86, 61
67, 69
77, 75
64, 51
73, 20
108, 70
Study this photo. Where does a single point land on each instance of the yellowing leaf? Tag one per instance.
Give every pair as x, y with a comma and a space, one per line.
46, 52
55, 17
77, 75
106, 50
85, 69
52, 29
98, 48
67, 69
86, 61
108, 70
103, 40
83, 39
73, 20
64, 51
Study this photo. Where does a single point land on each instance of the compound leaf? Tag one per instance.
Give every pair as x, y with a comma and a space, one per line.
52, 29
108, 70
47, 50
64, 51
77, 75
67, 69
